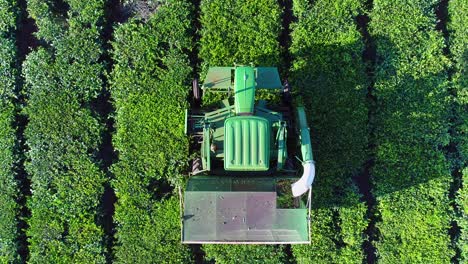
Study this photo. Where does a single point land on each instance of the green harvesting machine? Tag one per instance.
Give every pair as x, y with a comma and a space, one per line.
246, 186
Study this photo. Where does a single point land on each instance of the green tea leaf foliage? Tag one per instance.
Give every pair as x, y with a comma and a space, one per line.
411, 174
9, 190
458, 36
241, 32
64, 133
8, 16
150, 81
328, 71
245, 254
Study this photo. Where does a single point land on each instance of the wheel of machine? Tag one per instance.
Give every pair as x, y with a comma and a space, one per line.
287, 98
196, 90
196, 165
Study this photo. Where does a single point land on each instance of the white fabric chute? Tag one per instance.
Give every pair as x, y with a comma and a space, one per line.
305, 182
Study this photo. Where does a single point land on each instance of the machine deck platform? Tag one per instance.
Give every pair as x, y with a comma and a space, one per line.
240, 210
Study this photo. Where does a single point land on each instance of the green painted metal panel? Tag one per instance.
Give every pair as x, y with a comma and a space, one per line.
247, 143
203, 183
221, 77
218, 78
216, 119
205, 149
281, 138
268, 78
244, 89
306, 145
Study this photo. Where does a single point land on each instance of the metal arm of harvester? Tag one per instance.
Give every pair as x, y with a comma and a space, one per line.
305, 182
281, 137
206, 144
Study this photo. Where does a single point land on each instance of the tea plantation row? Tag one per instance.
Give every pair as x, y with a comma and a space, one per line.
62, 78
149, 88
458, 43
408, 112
9, 188
411, 173
329, 72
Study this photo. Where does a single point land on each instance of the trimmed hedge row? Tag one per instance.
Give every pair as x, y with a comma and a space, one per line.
241, 32
458, 29
329, 73
9, 191
411, 174
462, 202
63, 134
149, 85
51, 22
245, 254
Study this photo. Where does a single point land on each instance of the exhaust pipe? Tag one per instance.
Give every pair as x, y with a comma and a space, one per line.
305, 182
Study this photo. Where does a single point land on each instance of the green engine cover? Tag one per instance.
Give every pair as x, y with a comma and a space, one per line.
246, 143
244, 90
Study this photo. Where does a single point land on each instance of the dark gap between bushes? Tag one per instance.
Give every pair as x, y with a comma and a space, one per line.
104, 109
60, 7
451, 151
196, 27
25, 42
195, 62
364, 180
441, 12
286, 60
285, 37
